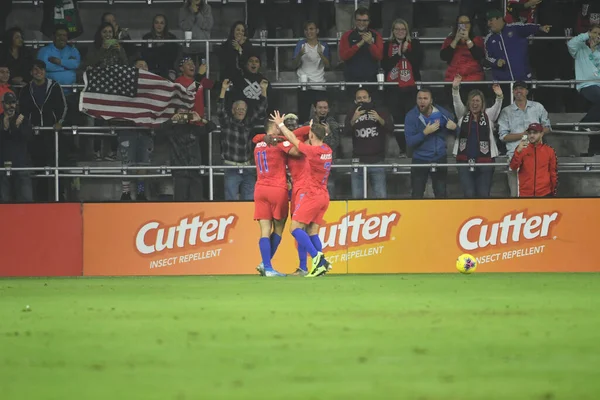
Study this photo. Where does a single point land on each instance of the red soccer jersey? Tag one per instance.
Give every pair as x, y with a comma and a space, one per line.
270, 166
318, 159
296, 165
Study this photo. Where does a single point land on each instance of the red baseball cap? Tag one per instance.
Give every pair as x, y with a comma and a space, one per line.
535, 127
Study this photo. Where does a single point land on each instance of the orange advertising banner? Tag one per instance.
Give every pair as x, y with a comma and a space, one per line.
179, 239
513, 235
407, 236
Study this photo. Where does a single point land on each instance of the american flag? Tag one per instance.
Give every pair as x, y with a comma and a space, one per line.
124, 92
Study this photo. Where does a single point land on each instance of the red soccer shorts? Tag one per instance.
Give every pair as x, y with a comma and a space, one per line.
310, 208
270, 203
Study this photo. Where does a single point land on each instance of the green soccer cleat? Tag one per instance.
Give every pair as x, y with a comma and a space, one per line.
320, 270
318, 260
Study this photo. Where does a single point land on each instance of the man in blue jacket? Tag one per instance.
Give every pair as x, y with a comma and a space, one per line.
507, 47
426, 128
61, 59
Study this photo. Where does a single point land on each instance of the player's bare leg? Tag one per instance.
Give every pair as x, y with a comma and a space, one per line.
264, 244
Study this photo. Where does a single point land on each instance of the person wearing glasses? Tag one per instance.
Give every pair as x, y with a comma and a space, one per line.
361, 49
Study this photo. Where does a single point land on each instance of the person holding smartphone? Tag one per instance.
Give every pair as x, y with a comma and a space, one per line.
106, 49
463, 51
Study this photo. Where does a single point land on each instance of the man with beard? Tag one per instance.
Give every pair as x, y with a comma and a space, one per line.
426, 128
15, 134
369, 127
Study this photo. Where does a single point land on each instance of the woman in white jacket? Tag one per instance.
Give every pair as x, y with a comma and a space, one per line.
475, 141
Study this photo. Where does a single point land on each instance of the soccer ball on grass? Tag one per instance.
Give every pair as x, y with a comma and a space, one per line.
466, 264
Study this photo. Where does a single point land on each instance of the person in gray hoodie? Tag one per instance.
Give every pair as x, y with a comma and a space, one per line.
196, 16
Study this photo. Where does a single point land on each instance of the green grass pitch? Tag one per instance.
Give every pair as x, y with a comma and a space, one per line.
425, 337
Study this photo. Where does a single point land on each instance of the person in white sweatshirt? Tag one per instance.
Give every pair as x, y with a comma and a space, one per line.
475, 142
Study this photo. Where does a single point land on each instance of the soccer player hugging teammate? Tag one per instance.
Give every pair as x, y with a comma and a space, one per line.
297, 169
312, 199
270, 197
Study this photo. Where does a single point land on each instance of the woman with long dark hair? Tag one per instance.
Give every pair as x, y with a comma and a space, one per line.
234, 49
18, 57
106, 49
160, 57
463, 51
104, 52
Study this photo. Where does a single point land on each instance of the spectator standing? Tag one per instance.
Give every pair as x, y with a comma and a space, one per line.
506, 47
475, 142
427, 127
196, 80
513, 122
523, 11
247, 85
311, 58
160, 57
196, 16
4, 79
588, 14
64, 13
402, 60
15, 134
236, 142
62, 60
42, 102
106, 49
464, 52
120, 34
5, 9
585, 49
233, 50
18, 58
344, 12
369, 126
537, 165
183, 132
361, 49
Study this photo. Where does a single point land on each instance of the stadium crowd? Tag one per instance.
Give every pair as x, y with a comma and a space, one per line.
35, 92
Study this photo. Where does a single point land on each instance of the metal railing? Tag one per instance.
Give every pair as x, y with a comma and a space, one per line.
164, 171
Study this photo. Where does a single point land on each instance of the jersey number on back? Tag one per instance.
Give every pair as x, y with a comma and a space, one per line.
261, 161
327, 167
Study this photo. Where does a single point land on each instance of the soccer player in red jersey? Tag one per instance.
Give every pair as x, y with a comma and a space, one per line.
313, 200
270, 198
296, 166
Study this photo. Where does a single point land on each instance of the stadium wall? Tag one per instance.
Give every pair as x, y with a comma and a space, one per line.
386, 236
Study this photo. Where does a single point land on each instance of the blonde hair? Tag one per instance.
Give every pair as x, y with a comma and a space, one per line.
400, 21
474, 93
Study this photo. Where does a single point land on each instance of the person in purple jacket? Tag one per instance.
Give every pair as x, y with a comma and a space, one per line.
507, 46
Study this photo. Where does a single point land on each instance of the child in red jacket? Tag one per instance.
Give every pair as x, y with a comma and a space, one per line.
537, 165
